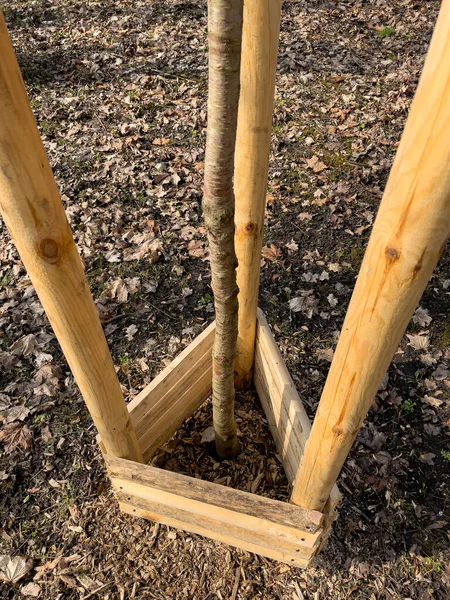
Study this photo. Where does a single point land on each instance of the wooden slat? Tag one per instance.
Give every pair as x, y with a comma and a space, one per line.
284, 410
234, 501
173, 395
139, 511
179, 404
241, 527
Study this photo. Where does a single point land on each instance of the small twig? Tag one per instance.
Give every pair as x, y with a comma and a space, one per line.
236, 584
99, 589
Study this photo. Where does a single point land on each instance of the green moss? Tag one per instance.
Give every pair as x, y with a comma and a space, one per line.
443, 341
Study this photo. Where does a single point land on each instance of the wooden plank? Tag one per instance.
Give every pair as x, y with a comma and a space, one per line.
173, 395
34, 214
229, 522
180, 406
283, 408
287, 418
136, 509
260, 33
408, 237
211, 494
288, 445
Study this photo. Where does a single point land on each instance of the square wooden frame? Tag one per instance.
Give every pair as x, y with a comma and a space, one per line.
274, 529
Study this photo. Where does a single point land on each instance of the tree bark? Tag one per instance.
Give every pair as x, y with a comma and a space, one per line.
224, 35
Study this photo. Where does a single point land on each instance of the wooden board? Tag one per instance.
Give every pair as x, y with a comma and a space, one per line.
258, 524
173, 395
284, 411
287, 418
136, 511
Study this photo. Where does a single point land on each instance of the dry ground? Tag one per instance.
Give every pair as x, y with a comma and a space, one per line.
119, 92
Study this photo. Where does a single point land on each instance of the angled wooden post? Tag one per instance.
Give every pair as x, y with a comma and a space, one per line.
409, 234
260, 35
34, 214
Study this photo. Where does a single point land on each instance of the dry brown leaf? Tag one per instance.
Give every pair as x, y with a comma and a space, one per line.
13, 568
15, 434
427, 458
418, 342
315, 164
31, 589
197, 248
271, 252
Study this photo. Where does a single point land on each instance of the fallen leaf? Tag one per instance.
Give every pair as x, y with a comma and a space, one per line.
130, 332
208, 435
332, 300
25, 346
271, 252
197, 248
422, 317
16, 413
325, 354
418, 342
306, 303
15, 434
31, 589
13, 568
427, 458
315, 164
432, 401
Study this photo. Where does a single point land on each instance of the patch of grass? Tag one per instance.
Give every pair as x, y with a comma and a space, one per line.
446, 455
5, 279
432, 564
386, 32
356, 256
408, 406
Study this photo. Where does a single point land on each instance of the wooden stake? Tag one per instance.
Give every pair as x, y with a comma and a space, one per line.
261, 28
34, 214
409, 234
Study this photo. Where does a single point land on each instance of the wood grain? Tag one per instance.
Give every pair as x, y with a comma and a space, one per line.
287, 418
34, 215
147, 510
268, 527
251, 505
260, 34
173, 395
409, 234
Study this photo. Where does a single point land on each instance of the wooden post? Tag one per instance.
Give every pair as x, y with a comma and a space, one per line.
260, 35
34, 214
409, 234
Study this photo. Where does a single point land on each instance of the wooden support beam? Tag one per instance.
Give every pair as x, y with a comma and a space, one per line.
409, 234
260, 35
34, 214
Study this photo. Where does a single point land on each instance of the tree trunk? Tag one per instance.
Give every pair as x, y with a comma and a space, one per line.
224, 34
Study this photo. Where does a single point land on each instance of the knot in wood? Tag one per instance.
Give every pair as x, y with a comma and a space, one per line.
392, 254
49, 250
